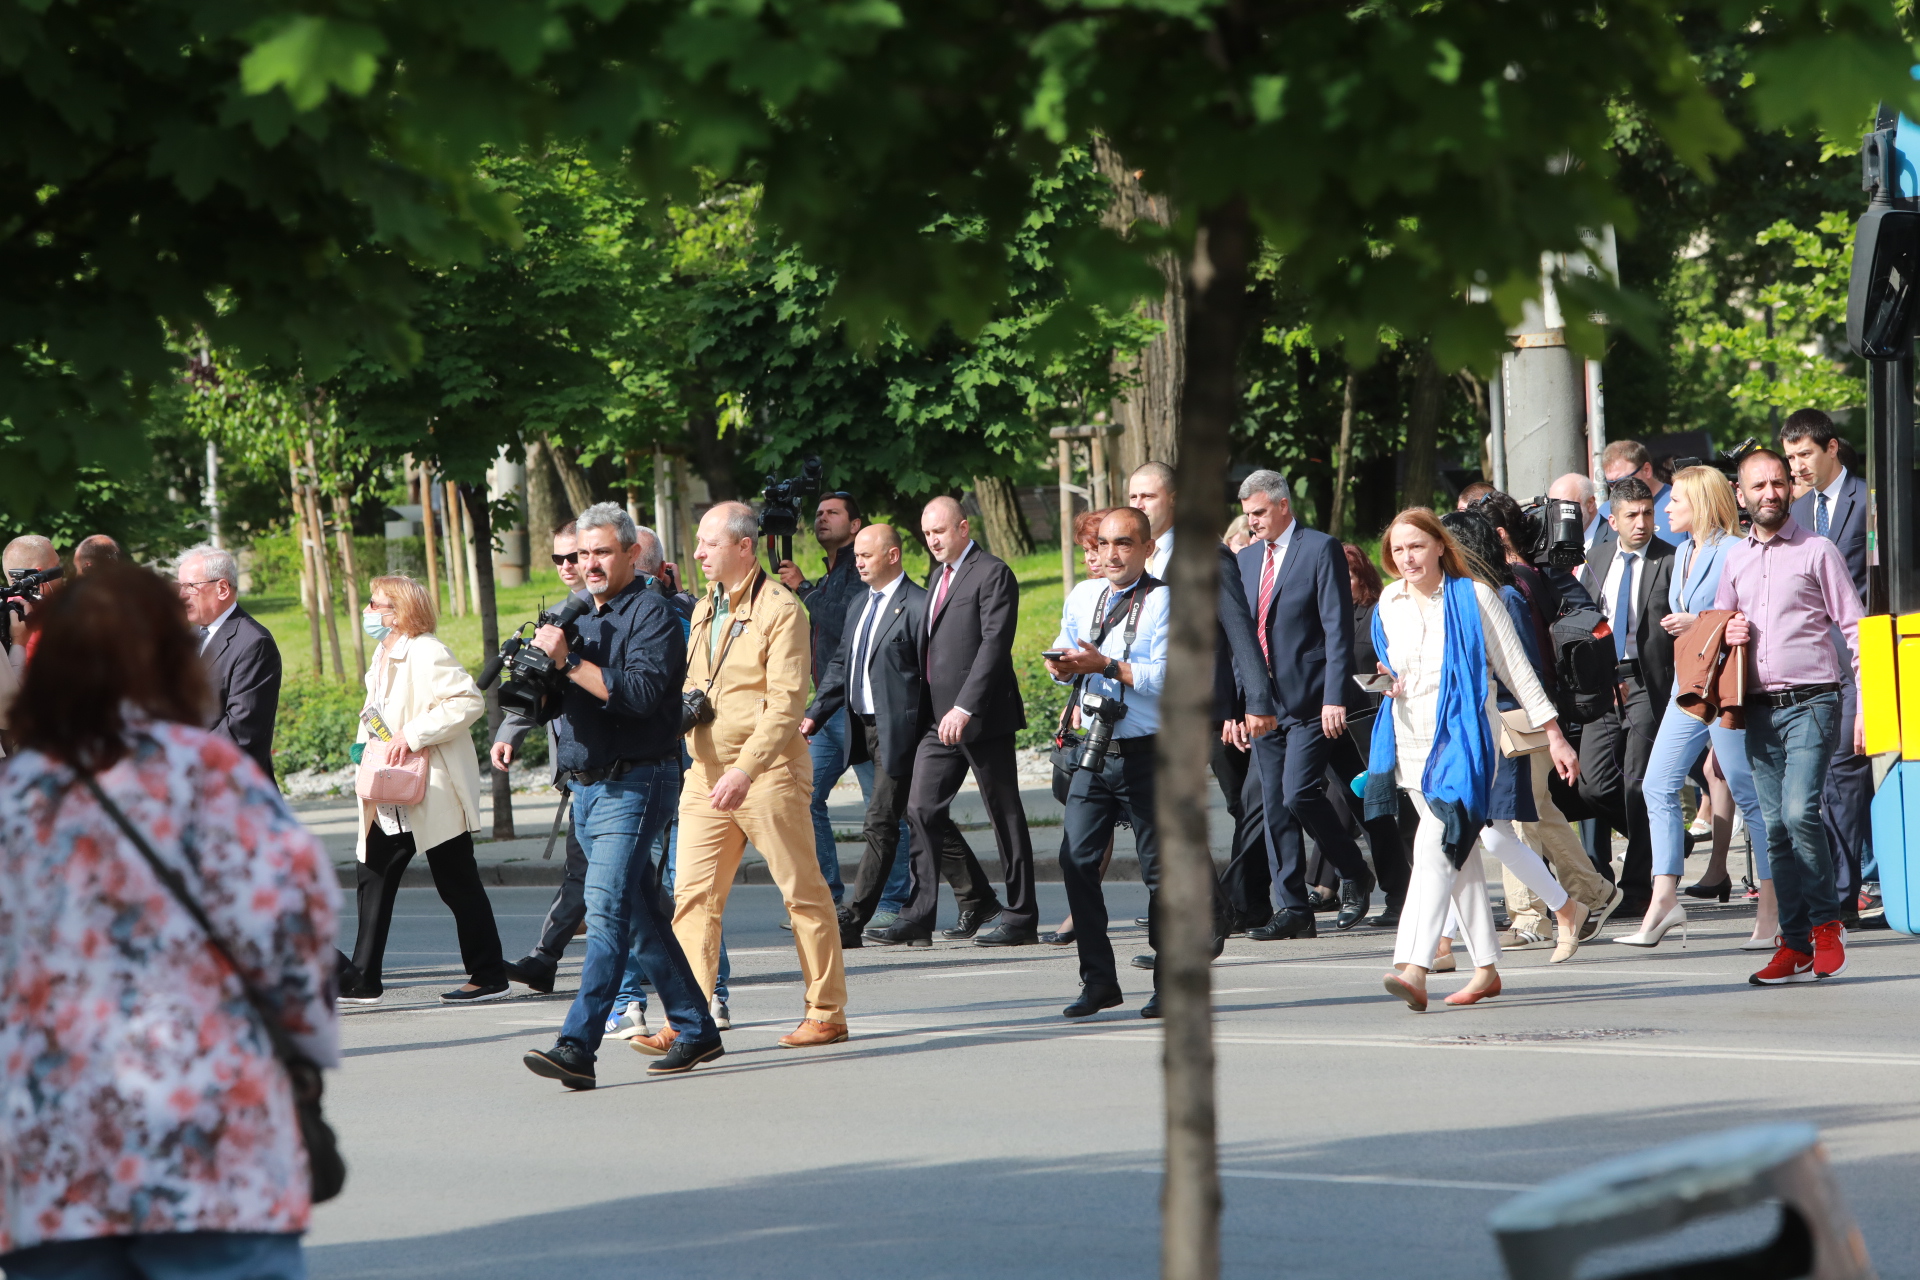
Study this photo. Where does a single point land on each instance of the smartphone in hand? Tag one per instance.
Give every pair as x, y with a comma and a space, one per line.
1376, 683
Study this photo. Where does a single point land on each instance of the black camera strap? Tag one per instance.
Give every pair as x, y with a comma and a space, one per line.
1103, 627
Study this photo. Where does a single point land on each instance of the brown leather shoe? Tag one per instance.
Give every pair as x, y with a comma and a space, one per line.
657, 1044
812, 1033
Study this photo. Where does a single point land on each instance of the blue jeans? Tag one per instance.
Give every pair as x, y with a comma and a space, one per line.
829, 751
1789, 748
617, 821
1675, 748
186, 1255
631, 990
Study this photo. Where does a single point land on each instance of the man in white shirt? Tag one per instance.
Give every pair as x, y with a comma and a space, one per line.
874, 673
1112, 648
1150, 492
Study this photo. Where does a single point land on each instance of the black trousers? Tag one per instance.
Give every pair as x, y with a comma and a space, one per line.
569, 907
1247, 883
885, 807
455, 875
1613, 771
1390, 844
1122, 789
938, 771
1290, 765
1845, 805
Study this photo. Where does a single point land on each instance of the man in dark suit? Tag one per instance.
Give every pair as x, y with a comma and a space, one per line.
1835, 507
971, 709
1629, 576
1296, 586
875, 674
240, 654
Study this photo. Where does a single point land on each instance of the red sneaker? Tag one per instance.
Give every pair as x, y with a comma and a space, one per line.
1787, 965
1830, 949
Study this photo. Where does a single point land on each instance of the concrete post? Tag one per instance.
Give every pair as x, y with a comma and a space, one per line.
1543, 412
508, 476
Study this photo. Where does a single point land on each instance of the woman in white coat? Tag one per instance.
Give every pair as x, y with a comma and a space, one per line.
419, 691
1444, 638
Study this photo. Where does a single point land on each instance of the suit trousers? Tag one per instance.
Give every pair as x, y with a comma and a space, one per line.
938, 770
1247, 881
886, 805
1614, 751
457, 878
1120, 791
1553, 838
1291, 765
1844, 806
569, 907
777, 817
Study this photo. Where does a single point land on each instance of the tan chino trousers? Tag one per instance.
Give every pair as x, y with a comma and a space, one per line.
776, 817
1555, 840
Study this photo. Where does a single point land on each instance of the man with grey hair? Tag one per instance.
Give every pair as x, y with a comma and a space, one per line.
243, 662
1297, 586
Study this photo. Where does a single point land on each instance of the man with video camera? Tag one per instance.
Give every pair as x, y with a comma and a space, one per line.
1112, 649
621, 756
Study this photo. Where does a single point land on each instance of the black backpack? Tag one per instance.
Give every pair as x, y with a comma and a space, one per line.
1584, 663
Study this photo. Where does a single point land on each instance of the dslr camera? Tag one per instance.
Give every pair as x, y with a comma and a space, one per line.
534, 683
1558, 526
1099, 713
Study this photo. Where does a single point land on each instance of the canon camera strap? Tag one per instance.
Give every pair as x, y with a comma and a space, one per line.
1138, 591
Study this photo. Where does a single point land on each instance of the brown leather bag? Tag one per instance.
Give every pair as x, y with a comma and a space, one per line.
1710, 675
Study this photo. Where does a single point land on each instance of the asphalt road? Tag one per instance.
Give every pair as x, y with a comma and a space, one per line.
967, 1131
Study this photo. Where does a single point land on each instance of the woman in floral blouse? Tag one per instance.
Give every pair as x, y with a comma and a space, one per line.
146, 1127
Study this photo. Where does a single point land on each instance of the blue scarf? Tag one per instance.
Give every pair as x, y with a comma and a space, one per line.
1457, 782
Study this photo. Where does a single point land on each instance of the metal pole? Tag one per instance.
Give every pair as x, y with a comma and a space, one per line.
1894, 490
1497, 424
1596, 419
1544, 418
213, 494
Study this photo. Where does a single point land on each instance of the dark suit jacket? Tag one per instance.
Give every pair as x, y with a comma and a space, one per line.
1651, 581
898, 685
243, 664
1242, 685
968, 649
1309, 625
1846, 526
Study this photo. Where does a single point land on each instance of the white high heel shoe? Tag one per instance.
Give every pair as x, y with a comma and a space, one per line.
1651, 937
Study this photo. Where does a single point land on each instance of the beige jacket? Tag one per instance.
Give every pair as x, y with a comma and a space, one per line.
430, 700
763, 685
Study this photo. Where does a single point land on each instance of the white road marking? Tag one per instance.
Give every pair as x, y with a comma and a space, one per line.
1356, 1179
973, 973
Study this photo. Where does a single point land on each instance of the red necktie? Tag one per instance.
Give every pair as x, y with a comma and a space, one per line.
1266, 600
939, 603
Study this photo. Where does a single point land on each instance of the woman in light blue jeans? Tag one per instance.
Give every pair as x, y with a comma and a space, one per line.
1702, 506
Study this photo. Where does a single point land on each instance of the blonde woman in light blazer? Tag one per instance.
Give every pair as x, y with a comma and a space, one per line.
428, 701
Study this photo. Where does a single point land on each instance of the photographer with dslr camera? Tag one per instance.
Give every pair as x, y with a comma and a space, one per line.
1112, 649
621, 758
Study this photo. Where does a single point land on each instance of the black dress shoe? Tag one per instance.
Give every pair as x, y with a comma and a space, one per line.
686, 1054
533, 971
566, 1062
899, 934
1355, 897
1248, 923
1092, 1000
1143, 962
850, 937
1058, 938
1389, 917
969, 923
1001, 934
1151, 1009
1319, 899
1286, 924
475, 995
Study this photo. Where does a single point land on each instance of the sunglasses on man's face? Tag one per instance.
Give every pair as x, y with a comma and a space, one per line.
572, 557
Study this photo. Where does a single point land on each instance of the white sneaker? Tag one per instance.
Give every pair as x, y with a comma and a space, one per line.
629, 1024
721, 1019
1520, 939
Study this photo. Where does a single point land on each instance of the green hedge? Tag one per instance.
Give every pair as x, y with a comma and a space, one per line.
318, 720
275, 566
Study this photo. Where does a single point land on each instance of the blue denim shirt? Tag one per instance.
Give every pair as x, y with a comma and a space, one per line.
636, 641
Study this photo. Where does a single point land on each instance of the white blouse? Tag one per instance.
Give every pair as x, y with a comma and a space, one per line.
1416, 633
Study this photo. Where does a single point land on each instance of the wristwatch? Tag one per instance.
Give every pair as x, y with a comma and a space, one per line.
1112, 670
573, 662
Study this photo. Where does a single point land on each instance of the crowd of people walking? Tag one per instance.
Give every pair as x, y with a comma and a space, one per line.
1381, 724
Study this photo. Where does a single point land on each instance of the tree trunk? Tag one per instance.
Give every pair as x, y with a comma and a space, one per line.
1005, 524
455, 551
572, 478
470, 544
309, 596
712, 456
542, 511
1149, 409
1216, 317
343, 530
324, 575
1337, 522
474, 499
1423, 429
427, 531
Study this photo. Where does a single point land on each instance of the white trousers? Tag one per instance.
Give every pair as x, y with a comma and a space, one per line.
1435, 891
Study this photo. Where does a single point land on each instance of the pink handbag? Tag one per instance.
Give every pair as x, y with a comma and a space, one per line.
378, 782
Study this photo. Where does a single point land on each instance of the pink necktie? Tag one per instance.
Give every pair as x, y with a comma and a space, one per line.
940, 596
1266, 602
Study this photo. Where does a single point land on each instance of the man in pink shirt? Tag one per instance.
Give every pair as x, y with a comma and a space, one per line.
1790, 588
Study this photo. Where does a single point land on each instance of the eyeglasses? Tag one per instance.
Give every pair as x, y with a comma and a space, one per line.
202, 583
572, 557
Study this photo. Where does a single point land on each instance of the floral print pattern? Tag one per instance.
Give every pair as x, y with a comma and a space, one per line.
138, 1093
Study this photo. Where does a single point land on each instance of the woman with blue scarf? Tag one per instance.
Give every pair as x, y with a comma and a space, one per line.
1448, 642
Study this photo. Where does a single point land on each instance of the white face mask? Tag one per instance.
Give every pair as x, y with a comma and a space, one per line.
371, 624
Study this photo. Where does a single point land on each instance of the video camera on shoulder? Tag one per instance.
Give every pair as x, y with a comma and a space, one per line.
780, 513
1726, 462
1557, 529
534, 682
